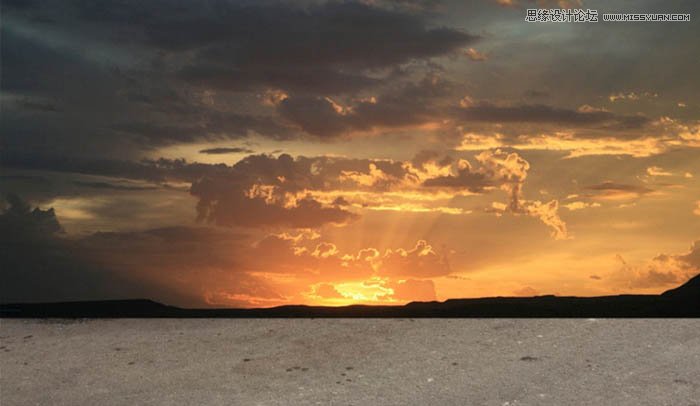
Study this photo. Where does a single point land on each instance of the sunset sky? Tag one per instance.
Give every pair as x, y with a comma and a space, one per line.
258, 153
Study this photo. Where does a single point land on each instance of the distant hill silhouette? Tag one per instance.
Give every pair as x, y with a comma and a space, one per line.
683, 301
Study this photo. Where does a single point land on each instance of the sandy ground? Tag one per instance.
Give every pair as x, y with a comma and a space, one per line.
350, 362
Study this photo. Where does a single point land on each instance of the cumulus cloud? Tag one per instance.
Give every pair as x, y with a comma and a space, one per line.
312, 191
277, 192
19, 220
435, 101
203, 266
262, 190
506, 171
258, 207
282, 254
38, 264
663, 271
548, 213
304, 192
143, 75
327, 291
366, 275
421, 261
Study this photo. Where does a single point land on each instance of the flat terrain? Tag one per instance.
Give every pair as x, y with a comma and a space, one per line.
350, 362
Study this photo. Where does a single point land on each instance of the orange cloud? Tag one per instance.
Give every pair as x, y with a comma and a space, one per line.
475, 55
663, 271
657, 171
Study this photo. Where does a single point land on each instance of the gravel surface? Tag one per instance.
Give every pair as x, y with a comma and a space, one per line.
350, 362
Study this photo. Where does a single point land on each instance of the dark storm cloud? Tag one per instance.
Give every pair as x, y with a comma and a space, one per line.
226, 150
543, 114
414, 5
38, 105
316, 115
328, 34
198, 127
187, 266
60, 163
111, 186
128, 75
302, 80
211, 127
158, 171
25, 178
536, 94
229, 195
38, 263
232, 208
407, 105
322, 48
692, 259
86, 98
18, 4
437, 100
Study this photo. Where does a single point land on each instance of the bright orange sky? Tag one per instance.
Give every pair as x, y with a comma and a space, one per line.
337, 153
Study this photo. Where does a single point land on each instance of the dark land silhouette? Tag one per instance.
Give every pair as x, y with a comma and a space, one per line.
683, 301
